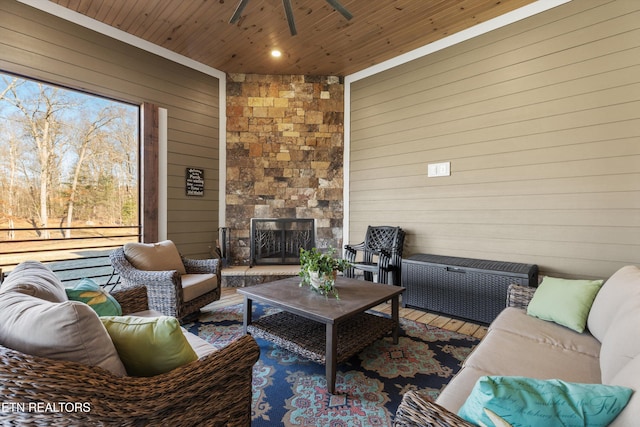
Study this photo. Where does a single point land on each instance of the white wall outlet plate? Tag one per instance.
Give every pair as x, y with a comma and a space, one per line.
438, 169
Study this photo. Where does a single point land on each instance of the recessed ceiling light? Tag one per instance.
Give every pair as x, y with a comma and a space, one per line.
276, 53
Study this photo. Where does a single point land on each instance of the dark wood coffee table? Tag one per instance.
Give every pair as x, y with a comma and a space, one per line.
323, 329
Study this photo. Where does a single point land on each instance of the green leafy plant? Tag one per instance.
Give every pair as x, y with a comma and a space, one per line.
318, 269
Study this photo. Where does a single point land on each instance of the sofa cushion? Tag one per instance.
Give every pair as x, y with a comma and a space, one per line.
161, 256
516, 321
457, 391
503, 352
540, 403
621, 343
92, 294
195, 285
149, 346
506, 353
67, 330
564, 301
629, 376
35, 279
622, 286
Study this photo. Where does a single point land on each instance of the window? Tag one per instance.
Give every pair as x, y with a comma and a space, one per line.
69, 175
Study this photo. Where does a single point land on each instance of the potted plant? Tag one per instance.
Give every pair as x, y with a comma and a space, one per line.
319, 270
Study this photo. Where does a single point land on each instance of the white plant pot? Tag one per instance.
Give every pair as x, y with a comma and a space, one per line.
315, 279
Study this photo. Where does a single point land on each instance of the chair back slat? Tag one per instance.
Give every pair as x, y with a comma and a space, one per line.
382, 237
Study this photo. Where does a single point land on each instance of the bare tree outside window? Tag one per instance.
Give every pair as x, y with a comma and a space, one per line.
68, 171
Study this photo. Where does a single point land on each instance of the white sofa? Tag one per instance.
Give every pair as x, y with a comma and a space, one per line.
517, 344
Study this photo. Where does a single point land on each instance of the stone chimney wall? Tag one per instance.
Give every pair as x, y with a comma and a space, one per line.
285, 153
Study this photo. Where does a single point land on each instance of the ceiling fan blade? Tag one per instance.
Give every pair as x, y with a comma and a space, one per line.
340, 8
289, 11
238, 12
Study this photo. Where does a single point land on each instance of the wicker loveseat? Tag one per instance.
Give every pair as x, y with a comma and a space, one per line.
214, 390
517, 344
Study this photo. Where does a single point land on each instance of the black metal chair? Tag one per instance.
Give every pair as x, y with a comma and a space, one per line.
381, 255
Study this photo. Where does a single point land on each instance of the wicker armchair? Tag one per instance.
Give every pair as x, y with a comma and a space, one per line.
165, 288
212, 391
417, 410
381, 255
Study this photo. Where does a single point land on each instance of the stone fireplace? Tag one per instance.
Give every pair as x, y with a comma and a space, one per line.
284, 156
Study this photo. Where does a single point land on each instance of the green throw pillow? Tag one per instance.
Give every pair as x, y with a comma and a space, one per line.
564, 301
149, 346
522, 401
89, 292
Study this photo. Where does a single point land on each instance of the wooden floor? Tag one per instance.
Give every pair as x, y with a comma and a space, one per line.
231, 297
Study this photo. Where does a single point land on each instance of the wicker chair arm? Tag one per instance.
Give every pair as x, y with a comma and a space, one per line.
132, 299
417, 410
215, 390
519, 296
165, 296
196, 266
143, 277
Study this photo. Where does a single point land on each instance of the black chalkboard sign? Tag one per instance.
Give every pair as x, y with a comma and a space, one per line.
195, 182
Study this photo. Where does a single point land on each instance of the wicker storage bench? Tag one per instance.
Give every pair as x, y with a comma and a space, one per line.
472, 289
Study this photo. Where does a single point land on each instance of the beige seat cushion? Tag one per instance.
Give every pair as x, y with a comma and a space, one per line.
200, 346
161, 256
520, 354
622, 286
35, 279
459, 388
516, 321
506, 353
68, 330
195, 285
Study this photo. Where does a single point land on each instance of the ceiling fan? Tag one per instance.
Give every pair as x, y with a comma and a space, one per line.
288, 10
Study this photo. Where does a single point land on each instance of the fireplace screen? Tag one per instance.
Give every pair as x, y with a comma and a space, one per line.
278, 240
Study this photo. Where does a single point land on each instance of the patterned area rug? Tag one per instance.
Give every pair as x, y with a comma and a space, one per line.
291, 391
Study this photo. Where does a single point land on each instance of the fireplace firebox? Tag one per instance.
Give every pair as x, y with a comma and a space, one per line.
278, 240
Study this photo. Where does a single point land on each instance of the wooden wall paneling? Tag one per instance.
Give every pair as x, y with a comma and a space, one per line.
540, 121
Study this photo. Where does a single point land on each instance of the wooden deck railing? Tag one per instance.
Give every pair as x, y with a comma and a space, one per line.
83, 255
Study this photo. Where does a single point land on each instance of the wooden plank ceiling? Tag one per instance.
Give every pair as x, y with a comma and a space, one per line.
325, 44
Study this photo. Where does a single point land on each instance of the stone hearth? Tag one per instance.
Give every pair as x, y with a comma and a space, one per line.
240, 276
284, 155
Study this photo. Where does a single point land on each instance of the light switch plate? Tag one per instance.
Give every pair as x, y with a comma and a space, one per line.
438, 169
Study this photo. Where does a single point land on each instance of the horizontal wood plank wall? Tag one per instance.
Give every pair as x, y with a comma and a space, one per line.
541, 123
40, 46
